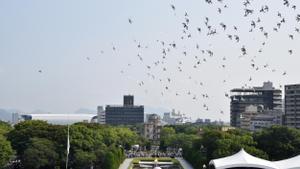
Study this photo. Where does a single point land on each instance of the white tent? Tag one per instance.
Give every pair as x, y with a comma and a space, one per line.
242, 159
291, 163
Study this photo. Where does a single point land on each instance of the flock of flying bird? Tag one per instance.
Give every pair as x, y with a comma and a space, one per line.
210, 29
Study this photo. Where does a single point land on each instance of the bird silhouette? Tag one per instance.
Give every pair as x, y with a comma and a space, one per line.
173, 7
186, 52
130, 21
286, 3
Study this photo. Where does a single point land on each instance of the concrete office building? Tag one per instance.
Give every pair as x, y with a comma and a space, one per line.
292, 106
266, 119
249, 113
209, 122
267, 96
15, 118
100, 115
256, 117
125, 114
174, 118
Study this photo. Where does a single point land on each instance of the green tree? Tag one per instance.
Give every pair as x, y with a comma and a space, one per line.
216, 144
22, 133
40, 154
220, 144
6, 152
182, 140
209, 141
83, 159
110, 161
234, 143
90, 144
4, 128
126, 138
113, 158
166, 135
279, 142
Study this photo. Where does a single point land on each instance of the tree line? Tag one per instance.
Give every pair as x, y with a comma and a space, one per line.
39, 145
202, 144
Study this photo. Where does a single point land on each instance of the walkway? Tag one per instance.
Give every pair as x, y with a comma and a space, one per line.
184, 163
125, 163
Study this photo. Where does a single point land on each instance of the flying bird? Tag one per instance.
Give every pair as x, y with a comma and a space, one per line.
129, 20
173, 7
286, 3
284, 73
248, 11
243, 49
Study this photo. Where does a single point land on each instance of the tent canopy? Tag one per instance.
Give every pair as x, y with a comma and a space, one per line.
291, 163
242, 159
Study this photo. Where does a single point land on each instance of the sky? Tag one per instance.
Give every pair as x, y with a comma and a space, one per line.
72, 43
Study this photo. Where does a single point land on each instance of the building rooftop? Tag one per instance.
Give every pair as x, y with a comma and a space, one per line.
59, 118
124, 106
267, 86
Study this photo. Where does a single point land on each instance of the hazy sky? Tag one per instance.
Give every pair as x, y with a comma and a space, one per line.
64, 39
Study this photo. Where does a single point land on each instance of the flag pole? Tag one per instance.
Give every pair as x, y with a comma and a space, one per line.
68, 147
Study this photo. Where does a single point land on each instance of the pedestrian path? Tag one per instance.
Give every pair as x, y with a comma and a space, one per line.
125, 163
184, 163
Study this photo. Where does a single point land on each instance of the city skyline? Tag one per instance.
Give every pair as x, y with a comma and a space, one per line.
61, 56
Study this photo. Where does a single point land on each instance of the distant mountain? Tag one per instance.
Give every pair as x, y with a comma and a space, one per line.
39, 111
85, 111
4, 115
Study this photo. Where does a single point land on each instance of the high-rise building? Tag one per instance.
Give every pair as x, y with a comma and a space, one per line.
128, 100
267, 96
100, 115
174, 118
125, 114
15, 118
292, 106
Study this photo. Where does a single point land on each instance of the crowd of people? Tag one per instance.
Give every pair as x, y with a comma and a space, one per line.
154, 152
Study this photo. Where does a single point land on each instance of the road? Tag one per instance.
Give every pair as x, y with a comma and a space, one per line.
125, 163
184, 163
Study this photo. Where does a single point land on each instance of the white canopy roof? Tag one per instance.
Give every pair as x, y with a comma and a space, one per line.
60, 118
242, 159
291, 163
